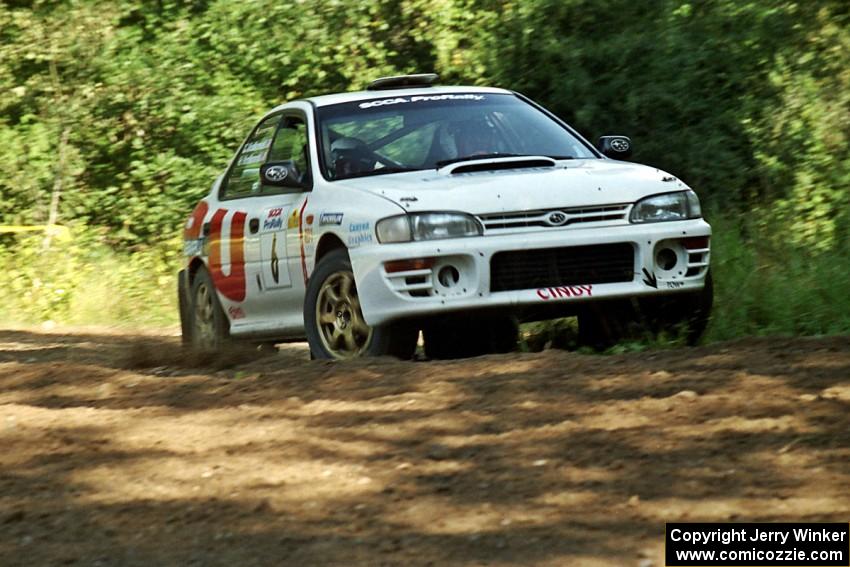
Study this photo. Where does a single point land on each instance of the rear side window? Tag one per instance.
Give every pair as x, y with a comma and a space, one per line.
243, 179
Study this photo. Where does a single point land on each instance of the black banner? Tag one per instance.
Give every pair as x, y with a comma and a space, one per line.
757, 545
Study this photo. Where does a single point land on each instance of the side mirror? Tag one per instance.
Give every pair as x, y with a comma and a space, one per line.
282, 174
615, 147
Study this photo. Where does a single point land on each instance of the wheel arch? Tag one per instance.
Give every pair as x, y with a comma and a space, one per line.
192, 269
328, 243
185, 282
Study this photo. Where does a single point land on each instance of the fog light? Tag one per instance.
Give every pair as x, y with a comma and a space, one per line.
666, 259
448, 276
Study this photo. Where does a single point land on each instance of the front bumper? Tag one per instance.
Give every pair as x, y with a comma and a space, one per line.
386, 297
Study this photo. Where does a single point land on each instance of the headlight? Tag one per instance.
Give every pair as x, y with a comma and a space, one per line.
681, 205
426, 226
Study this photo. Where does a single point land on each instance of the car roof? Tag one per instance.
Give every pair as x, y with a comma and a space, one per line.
338, 98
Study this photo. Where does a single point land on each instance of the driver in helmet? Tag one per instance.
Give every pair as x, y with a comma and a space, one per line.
350, 156
474, 138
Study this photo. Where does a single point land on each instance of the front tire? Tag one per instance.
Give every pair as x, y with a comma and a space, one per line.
465, 337
683, 316
603, 325
686, 315
334, 322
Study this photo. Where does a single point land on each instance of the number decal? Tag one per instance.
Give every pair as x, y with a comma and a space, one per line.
275, 263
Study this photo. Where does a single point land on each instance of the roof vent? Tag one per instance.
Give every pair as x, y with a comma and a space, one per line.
403, 81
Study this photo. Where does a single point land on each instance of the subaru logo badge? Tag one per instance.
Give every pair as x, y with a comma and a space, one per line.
619, 145
556, 218
276, 173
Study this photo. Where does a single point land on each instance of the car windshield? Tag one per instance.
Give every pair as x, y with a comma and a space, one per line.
408, 133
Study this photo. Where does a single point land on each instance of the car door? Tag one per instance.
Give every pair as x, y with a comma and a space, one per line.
278, 277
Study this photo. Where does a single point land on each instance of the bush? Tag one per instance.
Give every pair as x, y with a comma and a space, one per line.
82, 280
767, 284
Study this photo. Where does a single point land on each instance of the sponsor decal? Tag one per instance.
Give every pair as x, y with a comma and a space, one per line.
258, 145
294, 219
326, 219
248, 158
228, 276
236, 313
272, 224
675, 285
255, 152
359, 238
650, 279
418, 98
308, 235
309, 219
273, 220
359, 233
383, 102
565, 292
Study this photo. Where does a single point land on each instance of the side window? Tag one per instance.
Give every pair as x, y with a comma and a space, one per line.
243, 179
291, 143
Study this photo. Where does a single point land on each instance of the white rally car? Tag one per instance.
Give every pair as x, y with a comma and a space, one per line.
357, 220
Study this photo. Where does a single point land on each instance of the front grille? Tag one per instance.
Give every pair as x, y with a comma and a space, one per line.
538, 218
574, 265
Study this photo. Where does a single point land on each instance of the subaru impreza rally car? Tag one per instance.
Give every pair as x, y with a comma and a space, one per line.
357, 220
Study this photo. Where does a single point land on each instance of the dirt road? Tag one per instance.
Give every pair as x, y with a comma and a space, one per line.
120, 450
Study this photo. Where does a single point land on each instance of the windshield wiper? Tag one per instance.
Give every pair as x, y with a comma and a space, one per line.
562, 157
445, 162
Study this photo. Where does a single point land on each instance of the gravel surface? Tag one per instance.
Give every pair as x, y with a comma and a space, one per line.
121, 449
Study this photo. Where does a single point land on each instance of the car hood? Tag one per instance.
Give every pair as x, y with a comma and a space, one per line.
573, 183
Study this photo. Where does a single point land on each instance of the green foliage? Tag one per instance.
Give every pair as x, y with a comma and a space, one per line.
81, 280
766, 286
748, 101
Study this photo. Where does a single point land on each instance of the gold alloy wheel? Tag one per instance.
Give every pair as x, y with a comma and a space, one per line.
203, 334
342, 329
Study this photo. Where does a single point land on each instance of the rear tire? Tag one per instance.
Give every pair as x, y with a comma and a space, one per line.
183, 305
333, 318
210, 329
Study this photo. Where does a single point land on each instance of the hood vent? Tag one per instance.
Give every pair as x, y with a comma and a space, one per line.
491, 165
